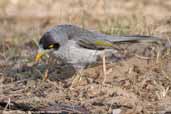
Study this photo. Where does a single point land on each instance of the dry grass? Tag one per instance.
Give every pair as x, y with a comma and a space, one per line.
139, 84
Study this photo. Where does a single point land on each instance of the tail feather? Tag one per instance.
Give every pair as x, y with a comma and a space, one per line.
137, 38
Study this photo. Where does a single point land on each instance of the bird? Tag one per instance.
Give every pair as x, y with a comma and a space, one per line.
81, 47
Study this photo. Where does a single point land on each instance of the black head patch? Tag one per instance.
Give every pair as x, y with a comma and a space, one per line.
48, 39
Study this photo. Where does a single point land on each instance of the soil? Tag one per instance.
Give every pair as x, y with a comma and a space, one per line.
139, 83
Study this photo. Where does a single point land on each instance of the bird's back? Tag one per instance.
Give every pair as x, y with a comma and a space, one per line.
77, 33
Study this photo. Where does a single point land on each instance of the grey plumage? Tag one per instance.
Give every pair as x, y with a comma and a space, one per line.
79, 46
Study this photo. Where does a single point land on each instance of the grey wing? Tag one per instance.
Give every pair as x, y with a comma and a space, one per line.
91, 39
76, 33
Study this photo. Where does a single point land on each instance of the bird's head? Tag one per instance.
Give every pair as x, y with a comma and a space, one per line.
47, 43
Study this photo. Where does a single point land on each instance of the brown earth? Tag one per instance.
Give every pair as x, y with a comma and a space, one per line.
138, 84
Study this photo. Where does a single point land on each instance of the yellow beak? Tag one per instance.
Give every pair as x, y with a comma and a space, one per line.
39, 55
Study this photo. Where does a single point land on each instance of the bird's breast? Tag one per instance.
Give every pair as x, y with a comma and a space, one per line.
75, 54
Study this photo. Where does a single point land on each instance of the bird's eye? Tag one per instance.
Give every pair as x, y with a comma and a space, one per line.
56, 46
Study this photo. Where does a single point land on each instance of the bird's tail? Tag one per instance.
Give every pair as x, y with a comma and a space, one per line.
130, 38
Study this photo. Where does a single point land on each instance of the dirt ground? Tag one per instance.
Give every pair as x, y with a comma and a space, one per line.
138, 84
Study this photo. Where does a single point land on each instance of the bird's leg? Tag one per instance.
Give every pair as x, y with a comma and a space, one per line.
104, 68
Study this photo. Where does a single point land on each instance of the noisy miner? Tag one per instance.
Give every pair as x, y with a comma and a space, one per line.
81, 47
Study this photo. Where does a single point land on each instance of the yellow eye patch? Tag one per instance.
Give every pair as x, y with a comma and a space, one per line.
51, 46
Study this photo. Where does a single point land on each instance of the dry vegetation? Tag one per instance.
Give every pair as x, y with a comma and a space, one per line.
139, 84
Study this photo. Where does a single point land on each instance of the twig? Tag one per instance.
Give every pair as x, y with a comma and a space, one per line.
142, 57
53, 109
158, 57
13, 83
165, 74
104, 68
169, 41
45, 77
8, 104
77, 78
